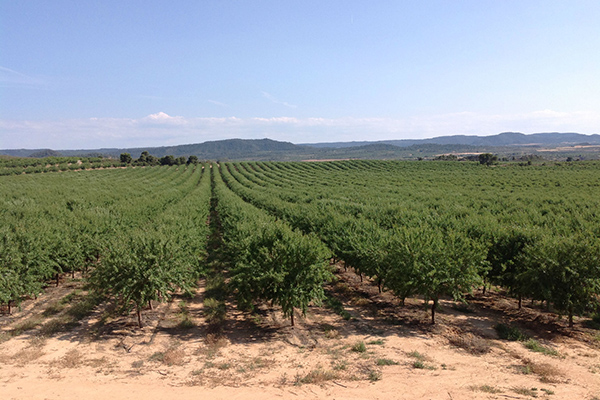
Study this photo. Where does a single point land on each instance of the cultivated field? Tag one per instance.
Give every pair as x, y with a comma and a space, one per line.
349, 279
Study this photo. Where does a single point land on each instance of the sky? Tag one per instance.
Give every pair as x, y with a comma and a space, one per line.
93, 74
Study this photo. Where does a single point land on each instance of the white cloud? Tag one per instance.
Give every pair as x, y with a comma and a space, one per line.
12, 78
161, 129
161, 118
273, 99
218, 103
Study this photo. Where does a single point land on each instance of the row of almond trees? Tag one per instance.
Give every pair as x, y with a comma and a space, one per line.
140, 234
136, 235
270, 261
552, 257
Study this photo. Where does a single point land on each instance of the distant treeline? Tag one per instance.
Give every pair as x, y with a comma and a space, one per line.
148, 159
16, 166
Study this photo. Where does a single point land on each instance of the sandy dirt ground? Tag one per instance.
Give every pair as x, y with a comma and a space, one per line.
385, 351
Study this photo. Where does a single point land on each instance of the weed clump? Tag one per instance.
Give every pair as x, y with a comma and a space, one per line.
359, 347
507, 332
535, 346
485, 389
317, 376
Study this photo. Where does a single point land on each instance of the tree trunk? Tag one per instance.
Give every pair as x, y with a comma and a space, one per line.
57, 279
483, 290
520, 301
292, 317
9, 304
571, 317
361, 278
379, 281
433, 307
150, 304
139, 316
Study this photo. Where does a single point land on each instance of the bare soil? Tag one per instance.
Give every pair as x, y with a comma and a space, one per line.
385, 351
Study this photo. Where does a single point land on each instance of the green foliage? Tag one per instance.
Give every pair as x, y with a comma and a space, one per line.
141, 268
487, 158
359, 347
271, 261
565, 271
125, 158
508, 332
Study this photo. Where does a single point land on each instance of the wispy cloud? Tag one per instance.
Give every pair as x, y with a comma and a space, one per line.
273, 99
161, 129
218, 103
12, 78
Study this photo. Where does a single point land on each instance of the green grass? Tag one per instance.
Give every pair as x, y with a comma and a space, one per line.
418, 364
27, 325
507, 332
535, 346
184, 313
485, 389
386, 361
417, 355
316, 377
525, 391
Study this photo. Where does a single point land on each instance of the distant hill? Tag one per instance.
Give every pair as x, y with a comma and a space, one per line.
502, 139
507, 144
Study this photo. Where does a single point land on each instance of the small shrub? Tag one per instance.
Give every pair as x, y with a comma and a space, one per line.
159, 356
72, 359
463, 308
386, 361
27, 325
214, 310
337, 306
61, 324
379, 342
359, 347
332, 334
485, 389
186, 323
524, 391
360, 301
419, 363
417, 355
472, 344
341, 366
535, 346
546, 372
213, 342
174, 356
53, 309
508, 332
374, 375
318, 376
593, 323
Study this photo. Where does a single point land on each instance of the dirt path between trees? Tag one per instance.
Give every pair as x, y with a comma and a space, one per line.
385, 351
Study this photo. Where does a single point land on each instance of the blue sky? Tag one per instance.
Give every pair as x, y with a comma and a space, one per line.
86, 74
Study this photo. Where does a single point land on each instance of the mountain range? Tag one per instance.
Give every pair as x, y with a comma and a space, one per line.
552, 145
